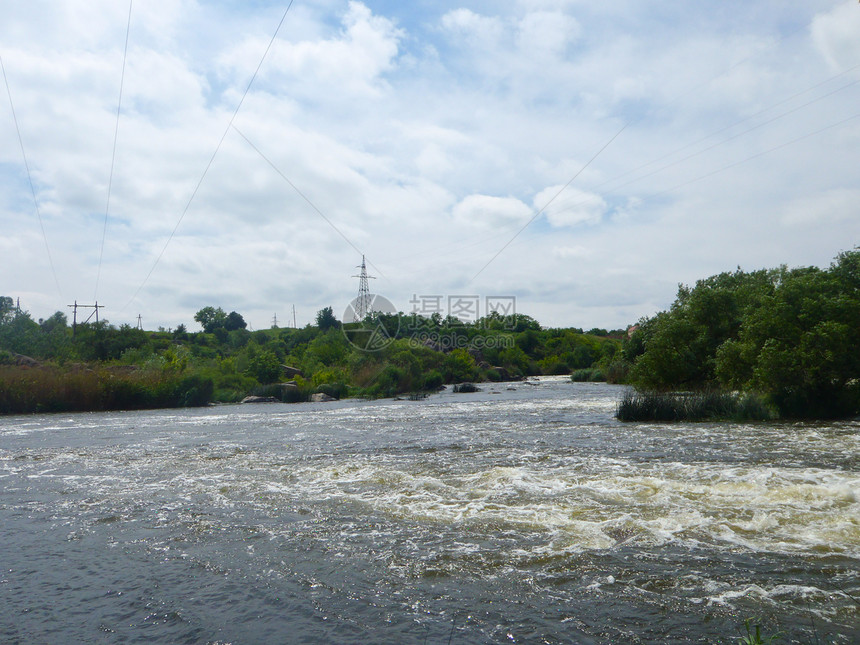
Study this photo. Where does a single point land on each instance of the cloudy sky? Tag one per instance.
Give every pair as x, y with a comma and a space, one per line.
582, 156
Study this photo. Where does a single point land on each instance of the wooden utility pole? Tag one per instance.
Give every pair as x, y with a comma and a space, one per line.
95, 313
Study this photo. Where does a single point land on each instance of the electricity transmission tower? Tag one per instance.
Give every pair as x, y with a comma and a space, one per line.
362, 302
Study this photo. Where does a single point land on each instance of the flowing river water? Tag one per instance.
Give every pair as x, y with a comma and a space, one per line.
523, 513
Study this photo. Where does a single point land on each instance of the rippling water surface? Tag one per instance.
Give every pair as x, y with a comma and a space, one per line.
523, 513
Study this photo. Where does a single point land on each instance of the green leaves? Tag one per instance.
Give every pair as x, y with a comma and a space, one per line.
793, 335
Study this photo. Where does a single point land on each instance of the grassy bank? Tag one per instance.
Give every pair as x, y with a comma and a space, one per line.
699, 406
82, 388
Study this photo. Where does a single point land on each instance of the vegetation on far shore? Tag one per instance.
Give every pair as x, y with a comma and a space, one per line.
738, 345
47, 366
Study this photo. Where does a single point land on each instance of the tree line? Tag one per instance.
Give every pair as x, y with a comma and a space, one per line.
46, 365
789, 336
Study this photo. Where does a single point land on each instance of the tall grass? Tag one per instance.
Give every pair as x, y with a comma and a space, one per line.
589, 374
698, 406
80, 388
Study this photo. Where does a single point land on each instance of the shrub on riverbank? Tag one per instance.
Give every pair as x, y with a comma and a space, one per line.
683, 406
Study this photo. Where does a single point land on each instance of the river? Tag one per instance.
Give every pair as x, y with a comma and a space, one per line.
524, 513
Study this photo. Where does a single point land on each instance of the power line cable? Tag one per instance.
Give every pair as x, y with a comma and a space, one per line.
113, 153
630, 122
731, 138
735, 124
742, 161
761, 154
545, 206
212, 158
30, 179
304, 197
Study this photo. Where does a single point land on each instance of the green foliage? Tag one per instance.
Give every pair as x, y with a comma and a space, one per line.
753, 634
593, 375
7, 309
432, 380
791, 335
459, 366
234, 321
326, 319
265, 367
233, 362
210, 318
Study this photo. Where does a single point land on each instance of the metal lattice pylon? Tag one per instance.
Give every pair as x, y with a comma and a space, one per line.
363, 301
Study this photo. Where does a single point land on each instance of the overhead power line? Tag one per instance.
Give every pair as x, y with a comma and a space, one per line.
30, 179
547, 205
305, 197
212, 158
113, 153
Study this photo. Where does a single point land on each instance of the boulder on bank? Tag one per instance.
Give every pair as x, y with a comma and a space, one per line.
504, 374
291, 371
260, 399
23, 361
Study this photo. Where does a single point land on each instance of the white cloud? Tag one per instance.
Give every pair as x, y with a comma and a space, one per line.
577, 251
490, 212
353, 61
428, 135
835, 35
570, 207
547, 34
473, 28
824, 209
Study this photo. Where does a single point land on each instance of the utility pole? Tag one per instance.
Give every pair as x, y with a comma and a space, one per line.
74, 318
362, 302
95, 313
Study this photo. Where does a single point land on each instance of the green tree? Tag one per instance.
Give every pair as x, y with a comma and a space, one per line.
800, 347
788, 334
679, 346
264, 366
210, 318
234, 321
459, 366
326, 319
7, 309
58, 321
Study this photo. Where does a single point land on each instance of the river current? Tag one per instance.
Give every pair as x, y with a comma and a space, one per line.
524, 513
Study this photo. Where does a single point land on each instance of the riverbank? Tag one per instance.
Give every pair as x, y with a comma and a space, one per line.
81, 388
